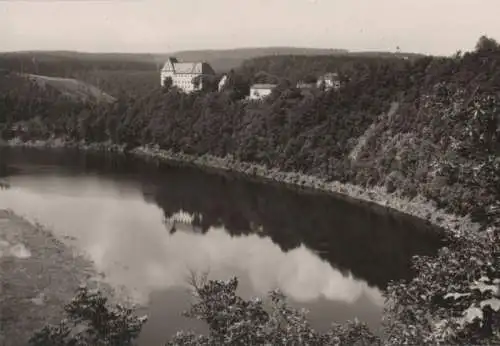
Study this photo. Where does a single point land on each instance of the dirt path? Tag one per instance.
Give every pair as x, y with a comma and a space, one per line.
38, 276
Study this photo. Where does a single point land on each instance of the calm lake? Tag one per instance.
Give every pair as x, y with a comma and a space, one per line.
147, 225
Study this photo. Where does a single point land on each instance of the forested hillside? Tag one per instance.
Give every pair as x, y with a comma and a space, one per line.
428, 127
442, 125
303, 67
222, 60
137, 73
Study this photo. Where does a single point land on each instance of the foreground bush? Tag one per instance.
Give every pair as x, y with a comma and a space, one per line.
235, 321
231, 320
91, 321
453, 300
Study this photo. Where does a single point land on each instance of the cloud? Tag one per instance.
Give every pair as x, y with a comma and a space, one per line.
126, 239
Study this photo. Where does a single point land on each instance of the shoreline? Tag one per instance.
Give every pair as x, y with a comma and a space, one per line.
60, 143
419, 207
40, 275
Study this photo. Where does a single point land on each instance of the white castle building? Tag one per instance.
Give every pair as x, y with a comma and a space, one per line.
187, 76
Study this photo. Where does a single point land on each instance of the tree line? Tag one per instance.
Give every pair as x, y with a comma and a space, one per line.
446, 117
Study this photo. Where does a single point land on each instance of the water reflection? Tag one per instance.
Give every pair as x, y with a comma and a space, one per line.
146, 226
369, 243
128, 241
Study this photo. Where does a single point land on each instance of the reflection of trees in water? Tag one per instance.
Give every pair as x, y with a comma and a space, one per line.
372, 243
4, 185
4, 172
66, 160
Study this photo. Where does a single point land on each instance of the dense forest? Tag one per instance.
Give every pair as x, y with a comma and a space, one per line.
428, 126
63, 63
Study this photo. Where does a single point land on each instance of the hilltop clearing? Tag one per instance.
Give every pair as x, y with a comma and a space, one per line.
72, 88
69, 88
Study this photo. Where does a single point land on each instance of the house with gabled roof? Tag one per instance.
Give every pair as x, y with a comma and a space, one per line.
187, 76
329, 81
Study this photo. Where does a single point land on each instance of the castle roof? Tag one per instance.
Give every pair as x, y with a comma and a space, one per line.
187, 67
263, 86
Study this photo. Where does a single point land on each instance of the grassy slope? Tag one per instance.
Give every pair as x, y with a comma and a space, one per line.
36, 282
72, 88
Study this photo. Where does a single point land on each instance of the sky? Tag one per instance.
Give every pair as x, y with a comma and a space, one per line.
439, 27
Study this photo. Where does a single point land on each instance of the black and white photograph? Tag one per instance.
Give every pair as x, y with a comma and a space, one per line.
249, 172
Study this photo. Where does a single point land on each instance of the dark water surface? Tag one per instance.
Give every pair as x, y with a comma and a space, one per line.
147, 225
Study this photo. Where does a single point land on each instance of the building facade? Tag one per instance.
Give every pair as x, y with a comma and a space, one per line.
260, 91
187, 76
329, 81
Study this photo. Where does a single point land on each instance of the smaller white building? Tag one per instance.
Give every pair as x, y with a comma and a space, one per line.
260, 91
329, 81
